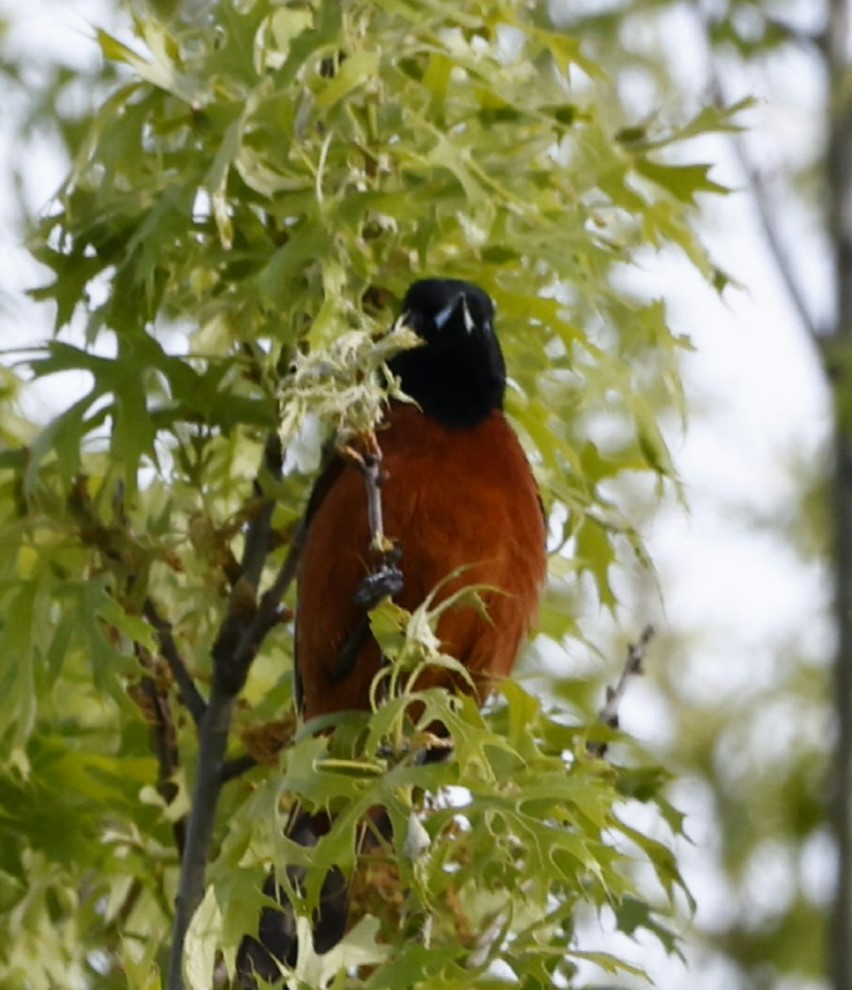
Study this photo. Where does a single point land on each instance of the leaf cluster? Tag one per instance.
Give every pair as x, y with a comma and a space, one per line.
490, 851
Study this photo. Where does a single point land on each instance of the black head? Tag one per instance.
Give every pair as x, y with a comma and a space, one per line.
458, 376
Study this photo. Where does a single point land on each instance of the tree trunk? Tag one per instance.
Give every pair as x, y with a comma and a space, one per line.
839, 200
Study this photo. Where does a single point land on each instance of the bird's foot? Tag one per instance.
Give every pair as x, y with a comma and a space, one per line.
384, 582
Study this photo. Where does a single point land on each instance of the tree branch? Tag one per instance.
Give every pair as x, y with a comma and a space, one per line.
236, 646
152, 697
187, 690
259, 529
385, 578
213, 742
244, 630
269, 611
760, 196
231, 769
263, 743
608, 715
765, 212
839, 219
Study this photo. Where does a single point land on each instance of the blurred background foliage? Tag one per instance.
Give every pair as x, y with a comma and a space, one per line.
750, 725
251, 180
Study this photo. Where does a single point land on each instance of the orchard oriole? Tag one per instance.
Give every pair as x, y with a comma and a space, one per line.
460, 500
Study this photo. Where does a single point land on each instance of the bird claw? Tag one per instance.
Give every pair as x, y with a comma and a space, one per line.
385, 582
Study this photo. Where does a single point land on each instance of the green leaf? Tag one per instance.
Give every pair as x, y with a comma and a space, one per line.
684, 182
596, 554
358, 69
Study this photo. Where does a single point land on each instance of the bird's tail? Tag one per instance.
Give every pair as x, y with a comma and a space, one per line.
276, 944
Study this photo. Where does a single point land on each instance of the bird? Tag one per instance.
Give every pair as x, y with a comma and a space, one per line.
461, 504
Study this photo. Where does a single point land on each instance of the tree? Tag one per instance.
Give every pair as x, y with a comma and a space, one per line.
242, 216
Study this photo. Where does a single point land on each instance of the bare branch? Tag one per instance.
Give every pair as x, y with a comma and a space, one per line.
269, 610
231, 769
839, 194
766, 216
263, 744
247, 624
151, 694
385, 578
608, 715
373, 478
189, 693
257, 535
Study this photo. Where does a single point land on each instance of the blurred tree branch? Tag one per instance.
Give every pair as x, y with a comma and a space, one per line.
839, 218
766, 207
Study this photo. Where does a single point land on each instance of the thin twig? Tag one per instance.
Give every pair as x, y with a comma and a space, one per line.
268, 612
189, 693
153, 699
260, 527
369, 463
231, 769
385, 578
373, 479
608, 715
239, 639
766, 211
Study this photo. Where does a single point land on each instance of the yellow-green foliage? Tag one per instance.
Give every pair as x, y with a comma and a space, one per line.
243, 216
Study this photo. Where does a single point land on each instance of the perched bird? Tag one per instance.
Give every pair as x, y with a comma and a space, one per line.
458, 496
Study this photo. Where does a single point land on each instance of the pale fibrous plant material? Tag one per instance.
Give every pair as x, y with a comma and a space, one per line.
345, 385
